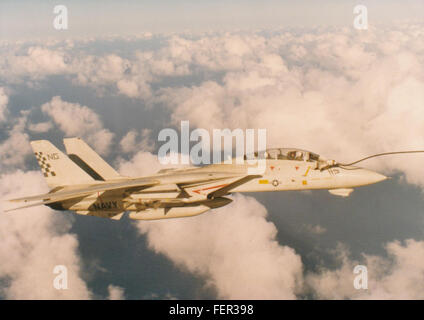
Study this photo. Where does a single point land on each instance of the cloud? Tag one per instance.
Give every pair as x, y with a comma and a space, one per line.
15, 147
4, 100
128, 87
341, 105
129, 143
93, 70
235, 250
34, 241
40, 127
315, 229
234, 247
37, 63
142, 163
115, 292
102, 72
346, 98
340, 93
77, 120
399, 276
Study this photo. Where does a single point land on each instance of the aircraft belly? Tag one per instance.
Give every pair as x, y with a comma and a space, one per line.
97, 204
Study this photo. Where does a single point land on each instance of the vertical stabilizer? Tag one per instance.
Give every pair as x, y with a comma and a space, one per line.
57, 168
81, 153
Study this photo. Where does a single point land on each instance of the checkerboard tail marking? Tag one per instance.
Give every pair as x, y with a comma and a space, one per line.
45, 166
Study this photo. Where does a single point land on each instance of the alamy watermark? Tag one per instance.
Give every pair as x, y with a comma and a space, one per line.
361, 280
60, 21
200, 153
360, 22
60, 282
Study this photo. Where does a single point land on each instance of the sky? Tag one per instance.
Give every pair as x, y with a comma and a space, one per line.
121, 73
31, 19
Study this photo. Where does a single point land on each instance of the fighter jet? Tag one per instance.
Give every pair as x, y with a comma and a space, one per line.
83, 182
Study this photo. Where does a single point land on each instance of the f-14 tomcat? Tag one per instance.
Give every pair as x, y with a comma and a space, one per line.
83, 182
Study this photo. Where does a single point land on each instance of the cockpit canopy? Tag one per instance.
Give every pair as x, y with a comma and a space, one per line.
286, 154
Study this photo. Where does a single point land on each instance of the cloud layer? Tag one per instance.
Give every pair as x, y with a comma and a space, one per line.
399, 276
320, 89
340, 92
4, 99
34, 241
234, 247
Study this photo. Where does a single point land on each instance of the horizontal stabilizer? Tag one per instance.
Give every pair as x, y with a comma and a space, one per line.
75, 192
27, 206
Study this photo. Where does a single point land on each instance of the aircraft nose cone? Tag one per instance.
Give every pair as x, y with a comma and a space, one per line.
375, 177
350, 177
366, 177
